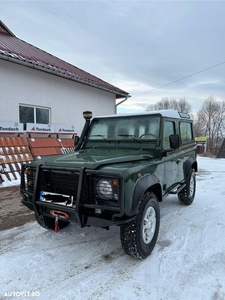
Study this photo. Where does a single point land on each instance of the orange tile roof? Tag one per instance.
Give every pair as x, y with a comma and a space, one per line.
45, 151
15, 151
42, 142
66, 143
12, 141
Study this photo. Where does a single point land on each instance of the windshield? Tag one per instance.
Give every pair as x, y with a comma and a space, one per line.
134, 128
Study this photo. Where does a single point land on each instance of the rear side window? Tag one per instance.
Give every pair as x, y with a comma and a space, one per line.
186, 133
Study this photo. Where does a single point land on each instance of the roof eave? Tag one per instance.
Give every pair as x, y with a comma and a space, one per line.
118, 94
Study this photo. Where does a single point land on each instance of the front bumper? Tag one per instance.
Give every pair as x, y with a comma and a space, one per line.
72, 192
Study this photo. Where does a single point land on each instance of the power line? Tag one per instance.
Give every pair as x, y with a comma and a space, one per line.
159, 87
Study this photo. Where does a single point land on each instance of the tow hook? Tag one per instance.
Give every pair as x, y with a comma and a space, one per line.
58, 214
56, 224
61, 214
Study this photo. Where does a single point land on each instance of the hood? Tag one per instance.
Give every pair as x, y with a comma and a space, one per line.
95, 158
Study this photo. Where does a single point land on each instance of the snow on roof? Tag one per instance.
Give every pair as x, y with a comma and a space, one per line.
19, 51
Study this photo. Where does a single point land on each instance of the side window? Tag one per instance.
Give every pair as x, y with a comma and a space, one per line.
168, 129
186, 133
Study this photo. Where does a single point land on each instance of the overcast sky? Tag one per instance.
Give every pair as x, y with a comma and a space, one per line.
139, 46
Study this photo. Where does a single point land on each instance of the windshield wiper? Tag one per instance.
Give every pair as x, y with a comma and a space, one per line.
130, 135
101, 135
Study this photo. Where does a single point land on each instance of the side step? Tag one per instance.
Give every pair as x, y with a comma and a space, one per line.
177, 188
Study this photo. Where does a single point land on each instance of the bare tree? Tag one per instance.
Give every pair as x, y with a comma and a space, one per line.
182, 105
211, 123
198, 126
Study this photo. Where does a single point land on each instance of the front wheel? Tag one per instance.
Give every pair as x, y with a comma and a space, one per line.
139, 236
187, 195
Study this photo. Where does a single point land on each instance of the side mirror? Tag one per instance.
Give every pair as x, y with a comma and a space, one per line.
174, 141
76, 140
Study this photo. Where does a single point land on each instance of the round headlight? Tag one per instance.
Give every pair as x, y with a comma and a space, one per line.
104, 189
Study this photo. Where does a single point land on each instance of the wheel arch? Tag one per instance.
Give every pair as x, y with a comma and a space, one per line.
190, 164
148, 183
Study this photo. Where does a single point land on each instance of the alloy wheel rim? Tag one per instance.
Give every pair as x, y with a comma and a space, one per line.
149, 225
191, 185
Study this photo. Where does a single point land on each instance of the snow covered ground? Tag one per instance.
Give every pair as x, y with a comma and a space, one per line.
188, 261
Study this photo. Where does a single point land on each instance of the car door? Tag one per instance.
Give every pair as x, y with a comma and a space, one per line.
173, 161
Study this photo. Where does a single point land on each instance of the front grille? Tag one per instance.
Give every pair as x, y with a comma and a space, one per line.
60, 182
92, 187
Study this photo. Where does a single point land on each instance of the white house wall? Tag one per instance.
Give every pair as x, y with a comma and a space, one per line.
66, 98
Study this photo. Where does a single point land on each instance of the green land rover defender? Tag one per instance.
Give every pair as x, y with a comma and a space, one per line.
121, 168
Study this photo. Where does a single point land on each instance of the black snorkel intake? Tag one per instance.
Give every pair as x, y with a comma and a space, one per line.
79, 141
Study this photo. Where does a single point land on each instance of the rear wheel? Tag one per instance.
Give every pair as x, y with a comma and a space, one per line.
187, 195
49, 223
138, 237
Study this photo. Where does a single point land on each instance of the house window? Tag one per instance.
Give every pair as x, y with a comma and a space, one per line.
42, 115
32, 114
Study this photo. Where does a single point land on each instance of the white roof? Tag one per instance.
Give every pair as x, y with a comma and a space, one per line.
164, 113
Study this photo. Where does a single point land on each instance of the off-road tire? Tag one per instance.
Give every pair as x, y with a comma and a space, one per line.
187, 195
139, 236
49, 223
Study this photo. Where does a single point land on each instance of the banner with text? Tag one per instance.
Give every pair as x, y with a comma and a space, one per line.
11, 127
64, 129
50, 128
45, 128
